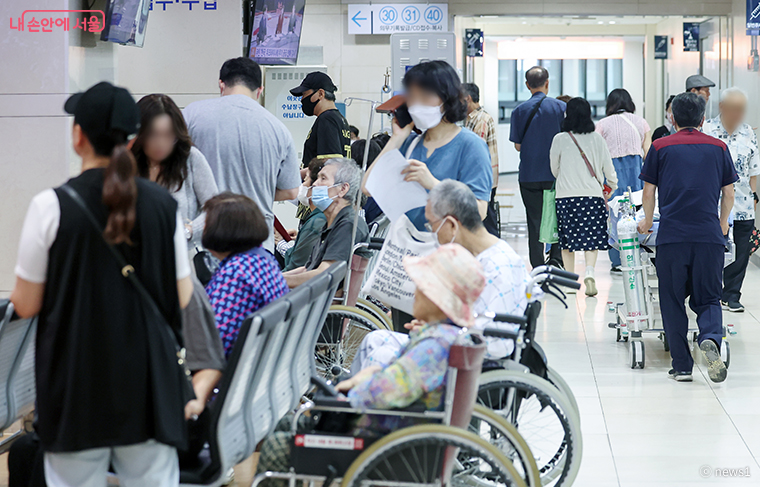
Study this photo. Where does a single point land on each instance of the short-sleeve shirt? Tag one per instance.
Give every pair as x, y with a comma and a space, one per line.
328, 138
249, 151
743, 147
536, 141
243, 283
689, 169
335, 241
465, 159
624, 134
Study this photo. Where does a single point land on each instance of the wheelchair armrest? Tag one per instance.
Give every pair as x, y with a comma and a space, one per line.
331, 402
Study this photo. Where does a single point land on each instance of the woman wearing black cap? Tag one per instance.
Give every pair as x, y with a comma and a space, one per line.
107, 392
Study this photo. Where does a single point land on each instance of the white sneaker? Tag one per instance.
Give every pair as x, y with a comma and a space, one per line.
590, 283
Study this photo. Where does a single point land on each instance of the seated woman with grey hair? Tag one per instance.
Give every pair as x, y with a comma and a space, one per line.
452, 214
334, 193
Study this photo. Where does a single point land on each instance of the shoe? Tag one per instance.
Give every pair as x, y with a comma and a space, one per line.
555, 263
732, 306
229, 477
616, 270
716, 369
590, 283
681, 375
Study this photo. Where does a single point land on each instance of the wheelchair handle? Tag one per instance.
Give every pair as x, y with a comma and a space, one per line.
556, 271
498, 333
325, 386
505, 318
561, 281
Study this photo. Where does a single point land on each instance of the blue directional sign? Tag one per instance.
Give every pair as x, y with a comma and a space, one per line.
359, 19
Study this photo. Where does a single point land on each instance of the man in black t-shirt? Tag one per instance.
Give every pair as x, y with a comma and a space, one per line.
330, 136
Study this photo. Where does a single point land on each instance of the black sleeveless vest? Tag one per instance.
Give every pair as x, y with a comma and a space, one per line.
93, 382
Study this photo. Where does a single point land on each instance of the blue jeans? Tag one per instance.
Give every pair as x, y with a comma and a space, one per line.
627, 169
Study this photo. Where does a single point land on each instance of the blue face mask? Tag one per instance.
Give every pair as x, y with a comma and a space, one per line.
321, 198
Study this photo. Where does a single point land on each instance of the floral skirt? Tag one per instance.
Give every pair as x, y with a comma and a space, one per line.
582, 223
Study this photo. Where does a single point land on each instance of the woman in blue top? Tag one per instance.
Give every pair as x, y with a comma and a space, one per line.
445, 151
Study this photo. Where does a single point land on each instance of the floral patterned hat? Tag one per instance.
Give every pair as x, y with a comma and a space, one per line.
452, 278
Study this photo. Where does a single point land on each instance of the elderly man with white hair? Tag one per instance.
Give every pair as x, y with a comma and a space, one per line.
452, 214
729, 126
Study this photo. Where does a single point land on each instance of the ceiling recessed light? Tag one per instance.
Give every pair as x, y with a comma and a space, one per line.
524, 22
600, 22
612, 21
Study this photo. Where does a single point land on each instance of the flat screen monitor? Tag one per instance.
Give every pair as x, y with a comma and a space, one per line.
126, 22
276, 31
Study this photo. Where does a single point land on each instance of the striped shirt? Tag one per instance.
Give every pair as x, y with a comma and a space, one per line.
480, 122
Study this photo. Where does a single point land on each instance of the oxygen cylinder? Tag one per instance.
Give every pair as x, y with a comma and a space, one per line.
633, 276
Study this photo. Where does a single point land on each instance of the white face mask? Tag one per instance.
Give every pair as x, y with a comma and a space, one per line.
426, 117
303, 194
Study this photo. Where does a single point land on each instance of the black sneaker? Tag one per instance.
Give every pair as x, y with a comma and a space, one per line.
732, 306
681, 375
716, 369
616, 270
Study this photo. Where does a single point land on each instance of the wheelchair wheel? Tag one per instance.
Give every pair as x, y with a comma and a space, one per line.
335, 348
560, 383
417, 455
373, 310
498, 432
544, 418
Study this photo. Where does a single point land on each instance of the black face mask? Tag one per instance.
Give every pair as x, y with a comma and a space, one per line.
307, 105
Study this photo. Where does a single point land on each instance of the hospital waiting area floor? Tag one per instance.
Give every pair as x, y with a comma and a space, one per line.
640, 428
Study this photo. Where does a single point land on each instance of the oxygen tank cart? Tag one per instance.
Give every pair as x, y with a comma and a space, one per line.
640, 313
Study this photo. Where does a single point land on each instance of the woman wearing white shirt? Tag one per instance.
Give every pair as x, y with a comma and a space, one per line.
581, 211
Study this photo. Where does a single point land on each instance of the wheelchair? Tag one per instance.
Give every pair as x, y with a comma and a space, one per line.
441, 452
529, 394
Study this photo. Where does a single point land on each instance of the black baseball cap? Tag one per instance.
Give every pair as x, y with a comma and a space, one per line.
102, 108
314, 81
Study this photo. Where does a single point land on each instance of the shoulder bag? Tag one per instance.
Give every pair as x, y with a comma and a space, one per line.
164, 352
530, 117
606, 190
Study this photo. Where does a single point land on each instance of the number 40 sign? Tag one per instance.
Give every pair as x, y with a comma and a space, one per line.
398, 17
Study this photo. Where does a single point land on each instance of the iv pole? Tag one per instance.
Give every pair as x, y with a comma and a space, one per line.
357, 203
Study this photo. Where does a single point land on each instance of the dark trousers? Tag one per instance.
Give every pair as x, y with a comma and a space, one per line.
690, 270
533, 199
733, 275
493, 220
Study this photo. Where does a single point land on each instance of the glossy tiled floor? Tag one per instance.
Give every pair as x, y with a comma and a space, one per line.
640, 428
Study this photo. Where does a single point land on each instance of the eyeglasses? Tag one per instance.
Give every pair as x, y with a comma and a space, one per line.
429, 225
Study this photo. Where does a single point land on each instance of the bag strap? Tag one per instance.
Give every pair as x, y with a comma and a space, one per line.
532, 114
127, 270
585, 159
412, 146
628, 121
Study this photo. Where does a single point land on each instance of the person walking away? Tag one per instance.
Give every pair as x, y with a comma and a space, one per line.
250, 152
581, 163
480, 122
330, 135
699, 85
693, 174
730, 128
354, 133
96, 401
668, 128
534, 125
165, 155
628, 138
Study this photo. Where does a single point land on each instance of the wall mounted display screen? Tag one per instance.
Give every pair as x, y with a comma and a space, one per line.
276, 31
126, 22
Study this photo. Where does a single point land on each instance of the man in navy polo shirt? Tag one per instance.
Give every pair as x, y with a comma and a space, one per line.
691, 171
534, 124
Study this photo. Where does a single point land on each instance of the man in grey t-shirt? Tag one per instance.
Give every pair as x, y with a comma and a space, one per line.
250, 152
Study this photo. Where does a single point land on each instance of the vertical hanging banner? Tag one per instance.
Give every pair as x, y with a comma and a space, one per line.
660, 47
753, 17
691, 37
474, 41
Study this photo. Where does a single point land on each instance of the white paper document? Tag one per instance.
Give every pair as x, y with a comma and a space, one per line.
392, 194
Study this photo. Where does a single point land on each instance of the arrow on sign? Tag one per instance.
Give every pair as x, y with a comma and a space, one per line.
356, 18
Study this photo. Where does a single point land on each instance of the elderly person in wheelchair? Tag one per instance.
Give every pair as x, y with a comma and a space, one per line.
449, 281
452, 214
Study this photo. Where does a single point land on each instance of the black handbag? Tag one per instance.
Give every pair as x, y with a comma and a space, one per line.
164, 351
